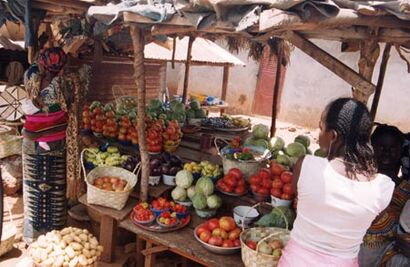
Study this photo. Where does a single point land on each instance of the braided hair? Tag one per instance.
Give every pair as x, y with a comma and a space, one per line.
352, 122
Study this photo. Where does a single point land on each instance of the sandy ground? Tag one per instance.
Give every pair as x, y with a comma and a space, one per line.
285, 130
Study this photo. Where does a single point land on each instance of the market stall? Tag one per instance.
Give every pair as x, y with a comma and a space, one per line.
255, 168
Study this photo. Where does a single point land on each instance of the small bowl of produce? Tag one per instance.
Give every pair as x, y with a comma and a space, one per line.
159, 206
244, 214
144, 216
167, 219
180, 210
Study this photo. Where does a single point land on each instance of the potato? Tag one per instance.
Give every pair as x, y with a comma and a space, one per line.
68, 239
77, 239
83, 237
82, 260
66, 258
66, 264
73, 262
93, 252
78, 232
49, 248
100, 248
41, 239
43, 244
70, 252
90, 261
76, 246
43, 255
59, 261
63, 244
65, 231
98, 253
87, 245
47, 262
94, 258
86, 253
85, 231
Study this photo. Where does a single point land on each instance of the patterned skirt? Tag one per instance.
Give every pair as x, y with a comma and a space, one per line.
44, 189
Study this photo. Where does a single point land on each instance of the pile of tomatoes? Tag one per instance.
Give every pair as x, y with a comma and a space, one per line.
221, 232
110, 127
168, 218
282, 182
261, 182
172, 136
128, 131
142, 212
86, 118
97, 120
232, 182
154, 136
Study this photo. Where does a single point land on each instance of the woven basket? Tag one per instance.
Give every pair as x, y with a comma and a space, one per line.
8, 235
115, 200
248, 167
253, 258
10, 143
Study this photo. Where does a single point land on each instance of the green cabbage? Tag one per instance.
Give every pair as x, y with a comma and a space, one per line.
277, 143
295, 150
199, 201
283, 159
200, 114
260, 131
214, 202
275, 218
191, 191
184, 179
204, 186
190, 114
303, 139
195, 105
155, 104
179, 194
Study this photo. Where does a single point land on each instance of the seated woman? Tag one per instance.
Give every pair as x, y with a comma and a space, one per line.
387, 142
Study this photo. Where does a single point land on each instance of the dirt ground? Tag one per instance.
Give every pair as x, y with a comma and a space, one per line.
16, 257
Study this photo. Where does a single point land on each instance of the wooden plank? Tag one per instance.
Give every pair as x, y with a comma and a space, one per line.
138, 43
154, 250
380, 81
275, 21
116, 214
225, 81
187, 67
149, 259
331, 63
276, 88
140, 245
174, 22
108, 235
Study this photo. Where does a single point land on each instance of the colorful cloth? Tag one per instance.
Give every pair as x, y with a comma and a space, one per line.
45, 121
295, 255
52, 59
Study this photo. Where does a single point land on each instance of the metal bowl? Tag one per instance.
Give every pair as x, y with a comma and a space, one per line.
166, 225
216, 249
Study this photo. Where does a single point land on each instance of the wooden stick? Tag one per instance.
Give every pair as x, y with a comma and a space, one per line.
108, 235
276, 88
224, 85
187, 66
332, 63
154, 250
174, 48
380, 81
139, 72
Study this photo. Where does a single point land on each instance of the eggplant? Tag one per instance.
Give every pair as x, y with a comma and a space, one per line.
165, 168
174, 170
154, 163
166, 157
175, 161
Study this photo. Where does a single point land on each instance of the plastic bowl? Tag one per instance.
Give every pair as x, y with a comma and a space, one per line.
240, 212
145, 222
216, 249
206, 213
157, 212
278, 202
187, 204
154, 180
166, 225
168, 179
182, 215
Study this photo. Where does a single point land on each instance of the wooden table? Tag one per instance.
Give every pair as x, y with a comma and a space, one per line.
181, 242
109, 220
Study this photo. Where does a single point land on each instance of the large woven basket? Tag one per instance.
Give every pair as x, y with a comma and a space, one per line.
115, 200
10, 143
253, 258
248, 167
8, 234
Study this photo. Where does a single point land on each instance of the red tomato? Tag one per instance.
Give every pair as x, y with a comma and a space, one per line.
213, 224
230, 181
237, 243
287, 189
205, 236
236, 173
215, 241
263, 191
266, 183
241, 182
276, 192
255, 179
276, 168
286, 177
254, 188
240, 189
202, 229
277, 183
227, 223
286, 197
264, 174
251, 244
227, 243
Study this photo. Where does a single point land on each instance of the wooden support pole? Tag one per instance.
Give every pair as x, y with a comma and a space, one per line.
331, 63
187, 66
174, 48
380, 81
108, 235
276, 89
139, 73
225, 81
369, 53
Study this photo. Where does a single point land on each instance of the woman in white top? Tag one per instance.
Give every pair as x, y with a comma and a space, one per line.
338, 196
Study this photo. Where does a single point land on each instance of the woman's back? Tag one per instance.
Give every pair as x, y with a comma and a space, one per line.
334, 211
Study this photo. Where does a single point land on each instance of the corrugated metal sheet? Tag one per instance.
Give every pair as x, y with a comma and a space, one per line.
203, 52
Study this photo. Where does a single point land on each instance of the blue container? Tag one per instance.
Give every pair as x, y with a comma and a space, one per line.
182, 215
157, 212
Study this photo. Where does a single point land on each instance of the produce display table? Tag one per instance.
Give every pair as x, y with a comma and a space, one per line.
109, 220
181, 242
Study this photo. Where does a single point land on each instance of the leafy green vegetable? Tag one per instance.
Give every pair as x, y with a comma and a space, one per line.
275, 218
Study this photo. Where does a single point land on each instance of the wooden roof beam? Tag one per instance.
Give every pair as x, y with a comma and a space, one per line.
331, 63
274, 20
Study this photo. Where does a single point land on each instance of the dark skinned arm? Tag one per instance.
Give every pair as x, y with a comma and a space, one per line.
296, 173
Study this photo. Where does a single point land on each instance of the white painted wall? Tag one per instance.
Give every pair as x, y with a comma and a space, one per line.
208, 80
309, 87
